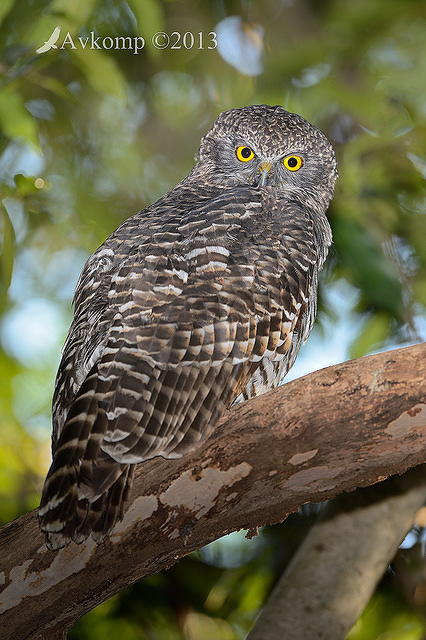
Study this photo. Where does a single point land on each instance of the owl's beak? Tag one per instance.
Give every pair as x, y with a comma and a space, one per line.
265, 171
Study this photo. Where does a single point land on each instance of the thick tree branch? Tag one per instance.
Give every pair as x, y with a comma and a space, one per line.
335, 430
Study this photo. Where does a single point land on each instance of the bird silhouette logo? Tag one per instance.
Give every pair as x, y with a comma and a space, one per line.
50, 42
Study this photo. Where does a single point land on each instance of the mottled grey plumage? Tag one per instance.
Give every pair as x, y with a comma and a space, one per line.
200, 300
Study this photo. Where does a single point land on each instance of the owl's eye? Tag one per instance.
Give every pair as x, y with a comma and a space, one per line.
293, 163
244, 153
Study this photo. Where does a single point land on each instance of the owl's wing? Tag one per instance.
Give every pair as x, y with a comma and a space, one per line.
170, 325
200, 294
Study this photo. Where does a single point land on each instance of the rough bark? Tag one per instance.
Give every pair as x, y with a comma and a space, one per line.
335, 430
332, 576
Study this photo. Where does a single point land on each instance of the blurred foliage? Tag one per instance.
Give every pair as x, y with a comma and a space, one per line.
386, 616
90, 135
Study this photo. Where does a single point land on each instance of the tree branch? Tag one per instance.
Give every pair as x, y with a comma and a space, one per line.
344, 427
334, 572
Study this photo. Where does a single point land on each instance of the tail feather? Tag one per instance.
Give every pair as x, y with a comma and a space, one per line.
85, 488
109, 508
73, 509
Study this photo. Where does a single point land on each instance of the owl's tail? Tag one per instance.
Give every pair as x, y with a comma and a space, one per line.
83, 499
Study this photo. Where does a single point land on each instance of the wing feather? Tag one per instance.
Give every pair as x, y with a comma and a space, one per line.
185, 309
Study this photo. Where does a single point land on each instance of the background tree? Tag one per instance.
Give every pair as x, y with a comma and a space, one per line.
90, 136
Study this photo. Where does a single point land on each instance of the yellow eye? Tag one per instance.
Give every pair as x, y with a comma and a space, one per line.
244, 154
293, 163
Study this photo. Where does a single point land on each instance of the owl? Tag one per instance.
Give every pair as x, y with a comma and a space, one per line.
199, 301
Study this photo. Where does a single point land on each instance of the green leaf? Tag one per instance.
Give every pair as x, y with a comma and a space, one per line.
7, 248
150, 19
374, 333
5, 7
149, 16
25, 185
55, 86
100, 70
76, 12
365, 264
15, 120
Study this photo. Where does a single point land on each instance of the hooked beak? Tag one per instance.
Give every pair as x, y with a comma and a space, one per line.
265, 171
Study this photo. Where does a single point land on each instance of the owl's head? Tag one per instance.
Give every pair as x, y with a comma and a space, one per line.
267, 146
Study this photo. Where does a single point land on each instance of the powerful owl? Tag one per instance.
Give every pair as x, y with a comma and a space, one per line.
199, 301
